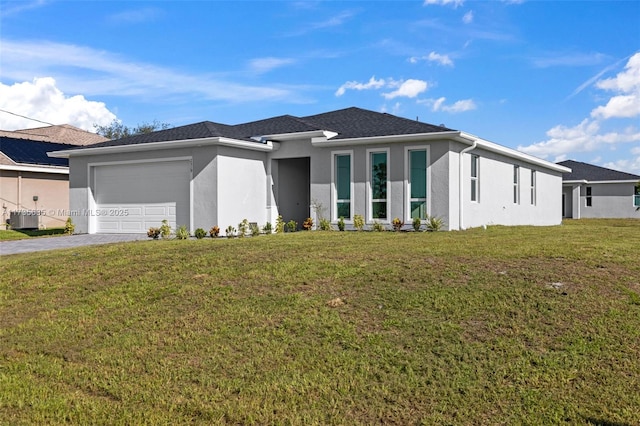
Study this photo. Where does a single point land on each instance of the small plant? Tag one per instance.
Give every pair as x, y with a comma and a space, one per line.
243, 228
397, 224
341, 224
417, 223
182, 233
255, 230
280, 225
325, 225
434, 223
308, 224
267, 228
200, 233
69, 226
378, 227
358, 222
292, 226
153, 233
230, 232
165, 229
214, 232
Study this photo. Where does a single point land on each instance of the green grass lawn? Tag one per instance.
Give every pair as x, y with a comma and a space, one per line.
11, 234
520, 325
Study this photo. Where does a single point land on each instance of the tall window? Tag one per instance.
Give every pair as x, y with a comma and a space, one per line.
418, 183
588, 200
516, 184
533, 187
636, 196
378, 182
475, 181
342, 182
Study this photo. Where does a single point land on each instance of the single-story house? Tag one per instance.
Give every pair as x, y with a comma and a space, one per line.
30, 180
590, 191
331, 165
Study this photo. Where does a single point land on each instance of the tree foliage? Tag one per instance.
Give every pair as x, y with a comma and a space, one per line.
117, 130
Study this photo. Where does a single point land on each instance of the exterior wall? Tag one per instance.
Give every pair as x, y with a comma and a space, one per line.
52, 191
608, 200
496, 206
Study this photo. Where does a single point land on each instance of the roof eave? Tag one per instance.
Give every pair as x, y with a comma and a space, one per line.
588, 182
153, 146
36, 168
415, 137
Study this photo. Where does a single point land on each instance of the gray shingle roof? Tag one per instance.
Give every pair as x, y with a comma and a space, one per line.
25, 151
589, 172
348, 123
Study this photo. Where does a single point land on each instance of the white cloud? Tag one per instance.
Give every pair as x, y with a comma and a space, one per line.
42, 100
458, 106
136, 16
100, 73
15, 7
263, 65
585, 137
440, 59
631, 165
468, 17
354, 85
409, 88
454, 3
588, 136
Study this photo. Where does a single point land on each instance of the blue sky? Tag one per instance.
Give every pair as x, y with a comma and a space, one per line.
556, 79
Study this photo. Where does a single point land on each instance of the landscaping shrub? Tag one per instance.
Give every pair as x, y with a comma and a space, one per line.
341, 224
200, 233
214, 232
182, 233
358, 222
308, 224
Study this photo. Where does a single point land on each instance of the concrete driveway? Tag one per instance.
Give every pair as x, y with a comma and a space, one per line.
68, 241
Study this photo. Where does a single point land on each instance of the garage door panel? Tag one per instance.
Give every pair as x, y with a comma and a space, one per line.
134, 197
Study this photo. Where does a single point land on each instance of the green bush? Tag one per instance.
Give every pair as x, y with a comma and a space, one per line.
280, 225
243, 228
200, 233
358, 222
434, 223
267, 228
397, 224
417, 223
292, 226
182, 233
255, 230
378, 227
230, 231
341, 224
325, 225
69, 226
165, 229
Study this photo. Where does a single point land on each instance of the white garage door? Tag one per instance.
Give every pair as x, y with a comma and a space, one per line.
131, 198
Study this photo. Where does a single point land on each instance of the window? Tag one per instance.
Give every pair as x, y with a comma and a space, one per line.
636, 196
475, 182
378, 184
533, 187
516, 184
417, 159
588, 199
342, 183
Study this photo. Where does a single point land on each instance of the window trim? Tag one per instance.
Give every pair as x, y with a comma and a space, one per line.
534, 195
475, 180
516, 184
334, 189
407, 178
370, 200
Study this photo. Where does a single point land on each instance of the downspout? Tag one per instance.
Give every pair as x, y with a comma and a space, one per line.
460, 184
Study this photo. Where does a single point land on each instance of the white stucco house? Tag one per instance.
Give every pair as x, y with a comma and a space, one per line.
351, 161
590, 191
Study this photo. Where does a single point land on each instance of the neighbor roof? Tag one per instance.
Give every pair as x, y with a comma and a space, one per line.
63, 133
347, 123
589, 172
24, 151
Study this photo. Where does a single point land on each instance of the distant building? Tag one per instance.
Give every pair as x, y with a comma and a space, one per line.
590, 191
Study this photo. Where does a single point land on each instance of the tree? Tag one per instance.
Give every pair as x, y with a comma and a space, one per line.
117, 130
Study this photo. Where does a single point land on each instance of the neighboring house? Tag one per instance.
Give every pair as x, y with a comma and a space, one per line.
30, 180
331, 165
590, 191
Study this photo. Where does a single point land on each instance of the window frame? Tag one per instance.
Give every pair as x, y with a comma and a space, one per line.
636, 195
334, 185
534, 195
588, 197
407, 181
370, 199
474, 196
516, 184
